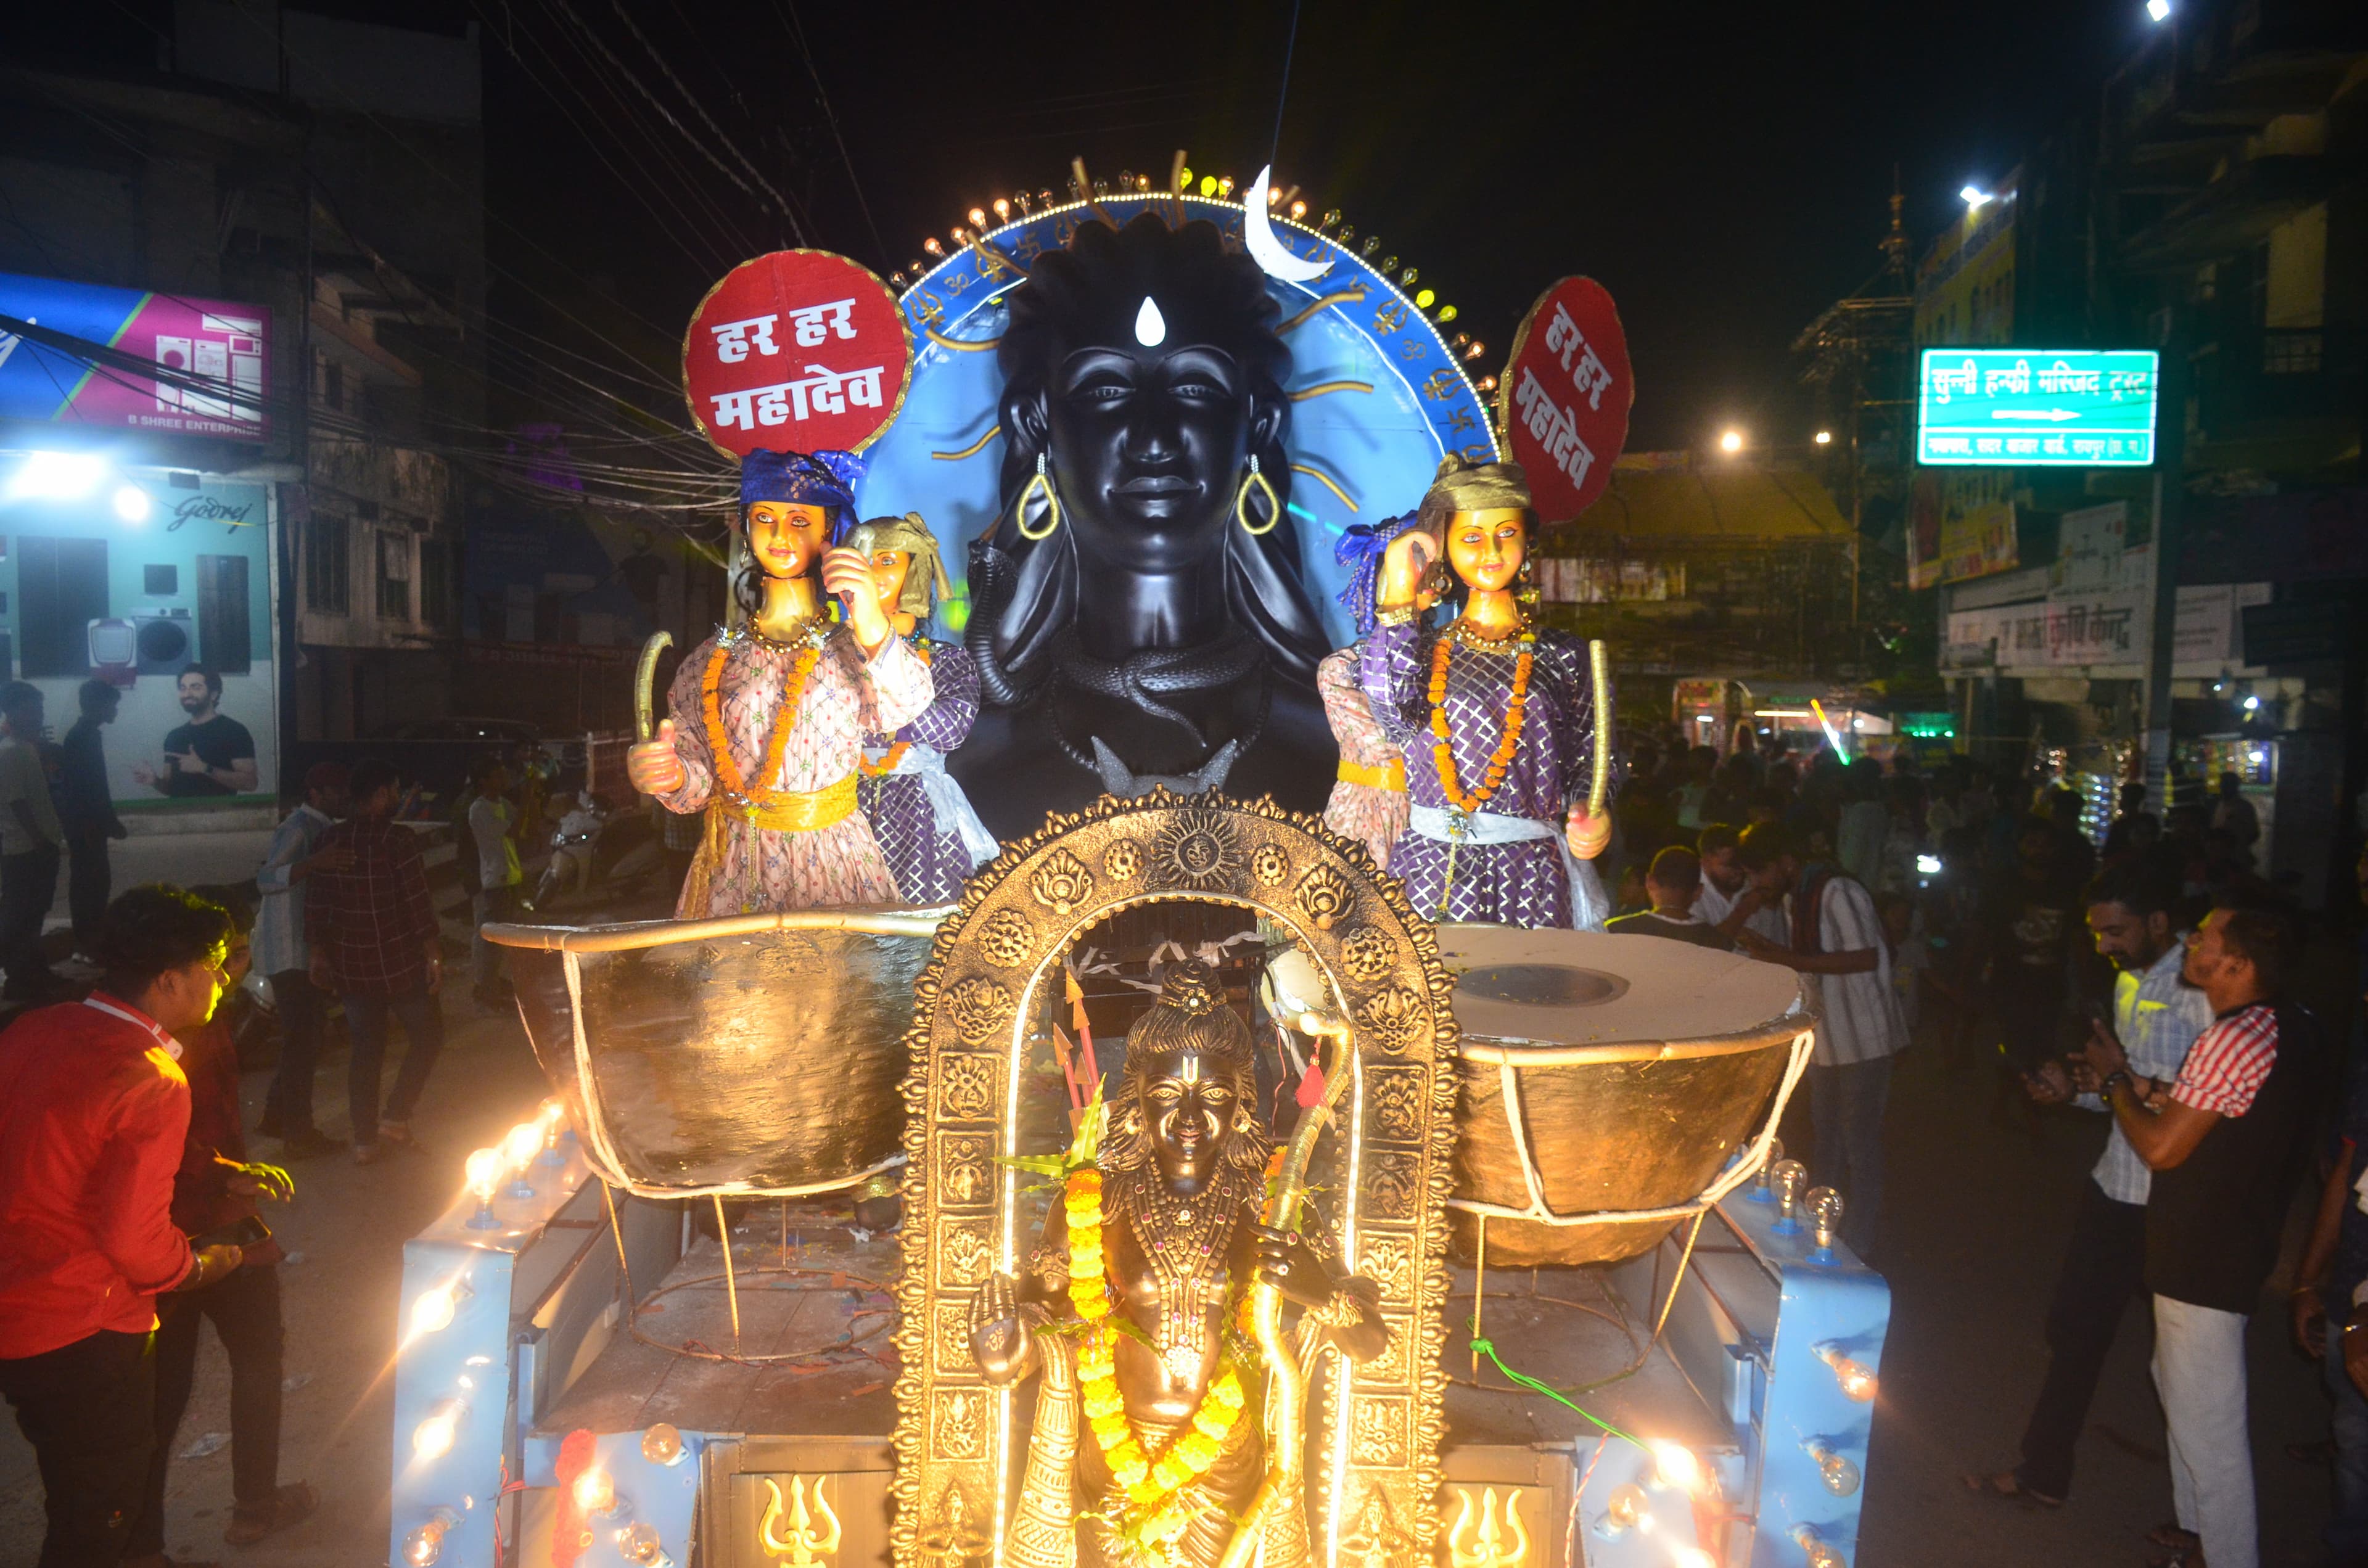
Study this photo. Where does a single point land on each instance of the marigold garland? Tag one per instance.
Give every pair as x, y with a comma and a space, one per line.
1150, 1483
1443, 755
727, 770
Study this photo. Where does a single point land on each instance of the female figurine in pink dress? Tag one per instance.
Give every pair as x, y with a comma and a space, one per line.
1369, 798
769, 718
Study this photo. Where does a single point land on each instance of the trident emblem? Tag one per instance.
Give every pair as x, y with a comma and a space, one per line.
1488, 1545
804, 1547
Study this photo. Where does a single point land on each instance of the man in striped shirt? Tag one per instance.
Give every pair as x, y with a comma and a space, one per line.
2220, 1146
1836, 940
2157, 1015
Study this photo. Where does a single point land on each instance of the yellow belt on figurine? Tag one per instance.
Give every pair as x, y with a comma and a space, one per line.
795, 811
1388, 776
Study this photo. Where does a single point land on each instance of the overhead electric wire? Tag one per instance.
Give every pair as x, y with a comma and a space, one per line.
787, 208
830, 117
568, 11
682, 226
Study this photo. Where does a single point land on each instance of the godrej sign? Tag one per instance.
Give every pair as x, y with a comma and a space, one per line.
2037, 407
210, 343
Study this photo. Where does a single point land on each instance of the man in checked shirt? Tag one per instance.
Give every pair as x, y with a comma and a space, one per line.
2156, 1016
2221, 1145
373, 934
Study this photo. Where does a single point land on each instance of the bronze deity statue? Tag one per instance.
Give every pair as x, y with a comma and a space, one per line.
1148, 1443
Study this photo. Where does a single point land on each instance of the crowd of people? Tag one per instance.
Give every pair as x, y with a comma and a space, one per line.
2147, 978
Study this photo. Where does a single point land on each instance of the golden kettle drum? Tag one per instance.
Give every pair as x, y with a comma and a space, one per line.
755, 1055
1607, 1083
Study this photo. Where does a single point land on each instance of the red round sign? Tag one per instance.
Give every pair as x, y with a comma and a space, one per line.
800, 351
1564, 399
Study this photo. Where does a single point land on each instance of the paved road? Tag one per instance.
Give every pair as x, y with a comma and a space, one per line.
1977, 1229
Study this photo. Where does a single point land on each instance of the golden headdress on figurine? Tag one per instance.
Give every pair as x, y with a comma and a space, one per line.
1465, 487
925, 580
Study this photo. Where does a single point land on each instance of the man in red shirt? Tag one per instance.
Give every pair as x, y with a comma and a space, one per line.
371, 931
94, 1110
216, 1188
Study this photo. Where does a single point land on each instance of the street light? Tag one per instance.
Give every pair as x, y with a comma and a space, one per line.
1975, 197
1825, 437
1731, 442
2158, 10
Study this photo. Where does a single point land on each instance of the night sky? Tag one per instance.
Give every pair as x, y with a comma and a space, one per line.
1721, 167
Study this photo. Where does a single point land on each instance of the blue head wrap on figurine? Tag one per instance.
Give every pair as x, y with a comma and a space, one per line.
1359, 548
824, 479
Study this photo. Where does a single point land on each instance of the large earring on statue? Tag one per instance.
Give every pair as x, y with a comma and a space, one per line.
1242, 502
1042, 479
1526, 594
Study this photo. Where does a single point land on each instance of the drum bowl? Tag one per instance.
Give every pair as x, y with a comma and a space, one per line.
1640, 1065
760, 1054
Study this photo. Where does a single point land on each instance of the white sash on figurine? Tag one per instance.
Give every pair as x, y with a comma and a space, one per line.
1588, 906
947, 804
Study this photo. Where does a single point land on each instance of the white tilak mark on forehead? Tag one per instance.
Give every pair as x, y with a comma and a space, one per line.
1150, 327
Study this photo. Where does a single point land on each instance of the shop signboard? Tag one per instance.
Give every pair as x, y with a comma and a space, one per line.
2036, 407
219, 351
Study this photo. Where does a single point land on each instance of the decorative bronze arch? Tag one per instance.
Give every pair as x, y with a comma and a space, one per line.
958, 1439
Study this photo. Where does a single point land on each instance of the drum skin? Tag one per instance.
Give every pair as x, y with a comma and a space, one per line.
1633, 1100
701, 1044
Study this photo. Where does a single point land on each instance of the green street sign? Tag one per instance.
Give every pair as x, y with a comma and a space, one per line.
2037, 407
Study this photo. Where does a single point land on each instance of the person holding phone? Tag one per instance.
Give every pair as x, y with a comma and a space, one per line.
94, 1112
215, 1194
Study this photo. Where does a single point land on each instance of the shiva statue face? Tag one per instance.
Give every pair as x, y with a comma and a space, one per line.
1151, 439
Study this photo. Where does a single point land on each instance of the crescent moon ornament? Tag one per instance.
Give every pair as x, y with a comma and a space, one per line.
1257, 234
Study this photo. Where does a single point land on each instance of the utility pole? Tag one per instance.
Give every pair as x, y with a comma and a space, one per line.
2162, 624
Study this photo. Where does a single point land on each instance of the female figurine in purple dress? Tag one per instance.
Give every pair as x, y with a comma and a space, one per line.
923, 821
1499, 717
1369, 798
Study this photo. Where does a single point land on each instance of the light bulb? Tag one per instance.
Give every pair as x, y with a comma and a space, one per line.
485, 1174
1730, 442
978, 217
595, 1489
1825, 1207
1422, 300
1692, 1557
1626, 1509
432, 1309
57, 476
131, 503
1298, 210
1679, 1467
1446, 314
1002, 210
519, 1146
1823, 438
1857, 1379
1820, 1554
638, 1542
432, 1439
1761, 1192
1841, 1476
1225, 184
424, 1545
1788, 1178
662, 1444
932, 247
